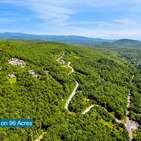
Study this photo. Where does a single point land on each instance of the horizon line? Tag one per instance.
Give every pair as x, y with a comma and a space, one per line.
74, 35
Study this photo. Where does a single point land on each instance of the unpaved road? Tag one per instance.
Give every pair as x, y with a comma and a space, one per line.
71, 96
40, 137
69, 66
130, 124
87, 109
60, 59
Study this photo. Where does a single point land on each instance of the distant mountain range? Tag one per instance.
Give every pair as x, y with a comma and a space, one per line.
74, 39
57, 38
122, 43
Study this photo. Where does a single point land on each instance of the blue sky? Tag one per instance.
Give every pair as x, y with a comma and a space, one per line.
93, 18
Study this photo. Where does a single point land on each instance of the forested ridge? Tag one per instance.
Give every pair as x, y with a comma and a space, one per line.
40, 88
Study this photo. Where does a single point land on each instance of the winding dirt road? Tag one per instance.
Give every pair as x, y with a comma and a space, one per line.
87, 109
90, 107
71, 96
61, 61
69, 66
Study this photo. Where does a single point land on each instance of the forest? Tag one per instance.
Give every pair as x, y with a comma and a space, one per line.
47, 76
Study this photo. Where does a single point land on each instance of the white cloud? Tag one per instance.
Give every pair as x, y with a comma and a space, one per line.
48, 11
124, 21
51, 12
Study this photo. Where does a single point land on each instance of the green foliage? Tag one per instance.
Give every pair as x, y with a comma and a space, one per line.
103, 77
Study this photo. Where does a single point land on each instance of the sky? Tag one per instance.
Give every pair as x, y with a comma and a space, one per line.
110, 19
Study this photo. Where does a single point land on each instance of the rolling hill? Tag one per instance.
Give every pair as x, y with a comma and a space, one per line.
71, 93
122, 43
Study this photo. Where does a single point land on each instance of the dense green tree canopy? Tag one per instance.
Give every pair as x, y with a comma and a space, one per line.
104, 80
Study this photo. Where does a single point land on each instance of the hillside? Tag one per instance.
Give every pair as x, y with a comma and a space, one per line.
71, 93
122, 43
